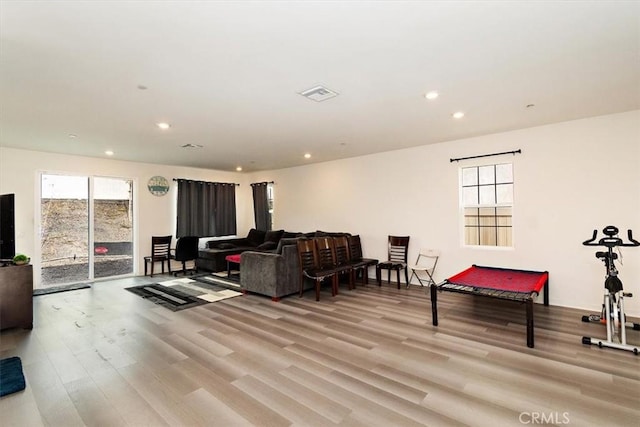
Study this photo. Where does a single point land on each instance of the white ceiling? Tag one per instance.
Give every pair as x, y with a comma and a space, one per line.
226, 75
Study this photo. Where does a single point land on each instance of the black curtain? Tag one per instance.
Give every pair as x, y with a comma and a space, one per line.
205, 209
261, 206
225, 215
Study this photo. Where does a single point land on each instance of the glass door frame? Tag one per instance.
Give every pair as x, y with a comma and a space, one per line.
37, 262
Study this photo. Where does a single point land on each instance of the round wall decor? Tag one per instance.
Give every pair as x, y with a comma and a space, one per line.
158, 185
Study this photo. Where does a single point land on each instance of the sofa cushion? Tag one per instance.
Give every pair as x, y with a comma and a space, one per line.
225, 245
267, 246
255, 237
320, 233
273, 236
290, 235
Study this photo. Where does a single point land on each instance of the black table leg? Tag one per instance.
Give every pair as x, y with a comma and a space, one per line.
529, 304
434, 305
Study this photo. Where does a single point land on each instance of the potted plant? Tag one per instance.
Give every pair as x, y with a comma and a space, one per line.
21, 259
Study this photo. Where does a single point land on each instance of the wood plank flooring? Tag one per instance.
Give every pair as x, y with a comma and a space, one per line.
367, 357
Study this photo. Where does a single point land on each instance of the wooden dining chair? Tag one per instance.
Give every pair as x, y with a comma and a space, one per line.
341, 246
358, 262
398, 249
310, 267
160, 252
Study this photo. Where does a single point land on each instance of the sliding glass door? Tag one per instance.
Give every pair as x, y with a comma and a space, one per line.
86, 228
112, 226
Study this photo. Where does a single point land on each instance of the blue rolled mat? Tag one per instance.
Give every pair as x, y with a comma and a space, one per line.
11, 376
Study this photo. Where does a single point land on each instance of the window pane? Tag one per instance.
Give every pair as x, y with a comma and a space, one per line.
470, 196
488, 221
469, 176
486, 175
504, 193
488, 236
471, 236
113, 226
471, 216
487, 195
504, 221
64, 221
504, 237
504, 211
487, 211
504, 173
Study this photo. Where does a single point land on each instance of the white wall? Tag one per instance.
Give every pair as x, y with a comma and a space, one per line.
20, 173
571, 178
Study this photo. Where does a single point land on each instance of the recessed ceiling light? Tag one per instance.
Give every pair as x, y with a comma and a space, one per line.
431, 95
307, 156
458, 115
73, 135
531, 105
164, 126
189, 145
142, 87
239, 168
319, 93
109, 153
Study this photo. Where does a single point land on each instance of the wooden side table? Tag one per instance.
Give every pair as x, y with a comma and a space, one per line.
16, 296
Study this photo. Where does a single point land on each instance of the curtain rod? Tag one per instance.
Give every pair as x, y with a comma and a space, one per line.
518, 151
262, 183
206, 182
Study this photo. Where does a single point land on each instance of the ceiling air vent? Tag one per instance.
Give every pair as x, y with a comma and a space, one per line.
319, 93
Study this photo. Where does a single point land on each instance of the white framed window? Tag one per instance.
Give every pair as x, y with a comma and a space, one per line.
486, 194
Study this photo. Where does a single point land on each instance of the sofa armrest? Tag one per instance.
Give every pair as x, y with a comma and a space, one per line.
260, 272
274, 275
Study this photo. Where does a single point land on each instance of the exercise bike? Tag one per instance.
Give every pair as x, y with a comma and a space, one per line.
612, 314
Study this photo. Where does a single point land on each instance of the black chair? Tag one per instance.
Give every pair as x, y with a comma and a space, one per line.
160, 252
186, 250
398, 247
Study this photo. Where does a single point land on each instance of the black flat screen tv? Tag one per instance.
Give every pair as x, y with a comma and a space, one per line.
7, 226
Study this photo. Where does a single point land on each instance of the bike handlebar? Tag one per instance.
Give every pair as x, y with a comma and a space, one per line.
610, 241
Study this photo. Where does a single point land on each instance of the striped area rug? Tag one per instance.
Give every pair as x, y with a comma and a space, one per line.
179, 294
221, 279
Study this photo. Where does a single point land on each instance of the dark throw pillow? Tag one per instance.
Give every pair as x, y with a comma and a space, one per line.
267, 246
273, 236
255, 237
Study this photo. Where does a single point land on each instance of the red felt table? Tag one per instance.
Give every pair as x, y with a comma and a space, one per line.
503, 283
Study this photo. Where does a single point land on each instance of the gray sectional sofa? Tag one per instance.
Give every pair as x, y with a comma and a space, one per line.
212, 258
270, 269
274, 274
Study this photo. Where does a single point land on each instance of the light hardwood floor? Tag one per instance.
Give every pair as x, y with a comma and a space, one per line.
368, 357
